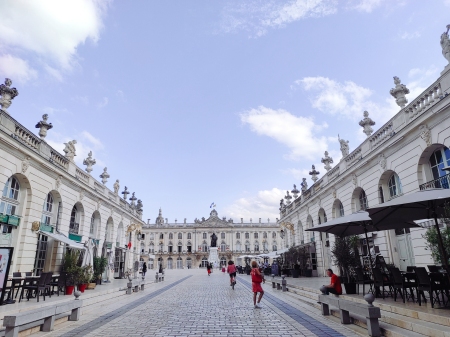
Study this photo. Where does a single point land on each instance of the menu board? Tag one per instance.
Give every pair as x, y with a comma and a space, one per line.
5, 263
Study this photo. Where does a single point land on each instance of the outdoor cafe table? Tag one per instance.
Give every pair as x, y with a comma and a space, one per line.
10, 300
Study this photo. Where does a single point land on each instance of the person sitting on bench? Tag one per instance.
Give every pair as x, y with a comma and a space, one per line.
335, 284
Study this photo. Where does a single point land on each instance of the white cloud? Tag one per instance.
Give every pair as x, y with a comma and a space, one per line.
121, 95
346, 99
16, 69
50, 29
257, 17
447, 3
420, 79
81, 99
97, 144
410, 35
103, 103
365, 5
264, 205
52, 111
296, 132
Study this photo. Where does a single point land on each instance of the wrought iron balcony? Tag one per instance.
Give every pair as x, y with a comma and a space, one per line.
441, 182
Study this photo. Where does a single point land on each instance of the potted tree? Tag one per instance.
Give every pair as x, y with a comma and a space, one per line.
85, 277
345, 257
70, 266
100, 264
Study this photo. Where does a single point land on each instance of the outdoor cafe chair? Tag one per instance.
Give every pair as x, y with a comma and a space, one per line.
381, 281
37, 288
362, 279
60, 283
426, 283
28, 273
16, 284
433, 268
410, 269
401, 285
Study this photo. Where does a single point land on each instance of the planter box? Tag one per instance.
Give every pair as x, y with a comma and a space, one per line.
295, 273
82, 287
69, 290
91, 285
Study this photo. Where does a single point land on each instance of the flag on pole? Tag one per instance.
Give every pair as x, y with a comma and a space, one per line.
212, 205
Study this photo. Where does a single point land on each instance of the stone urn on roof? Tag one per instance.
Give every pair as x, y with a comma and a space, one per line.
7, 94
399, 92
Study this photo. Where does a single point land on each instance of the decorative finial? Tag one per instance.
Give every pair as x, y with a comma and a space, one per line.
313, 173
7, 94
445, 44
399, 92
139, 205
89, 162
295, 192
327, 160
133, 198
70, 149
288, 198
367, 124
43, 126
125, 193
104, 176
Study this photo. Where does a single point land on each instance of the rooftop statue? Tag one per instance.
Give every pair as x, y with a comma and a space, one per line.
344, 147
445, 44
7, 94
70, 149
116, 187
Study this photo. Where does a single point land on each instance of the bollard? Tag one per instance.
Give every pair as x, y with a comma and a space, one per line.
283, 283
142, 286
129, 290
156, 278
136, 288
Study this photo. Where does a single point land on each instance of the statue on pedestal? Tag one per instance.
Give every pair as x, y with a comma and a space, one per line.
70, 149
213, 240
445, 44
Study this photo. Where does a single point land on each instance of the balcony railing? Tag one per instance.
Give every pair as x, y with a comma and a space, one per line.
441, 182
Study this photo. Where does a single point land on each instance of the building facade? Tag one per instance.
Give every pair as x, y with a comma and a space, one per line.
49, 204
186, 245
408, 153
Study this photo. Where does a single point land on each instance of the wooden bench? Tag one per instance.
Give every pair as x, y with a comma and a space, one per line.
371, 313
45, 317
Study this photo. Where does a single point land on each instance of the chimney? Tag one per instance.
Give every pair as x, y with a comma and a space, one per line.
167, 221
259, 220
251, 221
268, 220
175, 220
242, 220
148, 221
184, 220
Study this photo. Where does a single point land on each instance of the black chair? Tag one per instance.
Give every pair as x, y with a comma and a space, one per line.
433, 269
410, 269
36, 288
381, 281
426, 283
16, 284
60, 283
362, 279
401, 285
28, 273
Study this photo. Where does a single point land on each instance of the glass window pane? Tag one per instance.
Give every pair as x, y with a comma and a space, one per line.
438, 156
433, 160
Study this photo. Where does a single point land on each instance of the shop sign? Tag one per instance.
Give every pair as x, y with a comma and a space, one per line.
108, 245
46, 228
4, 218
75, 237
13, 220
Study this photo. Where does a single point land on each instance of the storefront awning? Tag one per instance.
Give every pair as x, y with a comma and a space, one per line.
64, 239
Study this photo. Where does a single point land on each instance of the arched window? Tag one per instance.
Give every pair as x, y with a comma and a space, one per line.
265, 235
48, 209
247, 246
363, 201
204, 246
238, 235
223, 261
151, 248
256, 246
170, 236
438, 160
180, 247
274, 246
341, 210
395, 186
274, 235
169, 263
238, 246
180, 236
10, 197
74, 223
222, 235
223, 246
300, 232
189, 247
189, 236
95, 224
205, 235
179, 263
170, 246
255, 235
247, 235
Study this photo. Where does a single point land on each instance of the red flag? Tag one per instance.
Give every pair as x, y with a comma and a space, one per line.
129, 245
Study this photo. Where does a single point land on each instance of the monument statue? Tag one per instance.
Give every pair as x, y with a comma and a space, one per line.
344, 147
445, 44
213, 240
70, 149
116, 187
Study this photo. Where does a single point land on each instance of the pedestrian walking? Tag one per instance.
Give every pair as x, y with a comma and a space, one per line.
257, 278
144, 269
208, 269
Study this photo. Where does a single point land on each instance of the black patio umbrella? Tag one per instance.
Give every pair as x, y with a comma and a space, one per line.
426, 204
356, 224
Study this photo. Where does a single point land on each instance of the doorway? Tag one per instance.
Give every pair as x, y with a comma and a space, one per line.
405, 249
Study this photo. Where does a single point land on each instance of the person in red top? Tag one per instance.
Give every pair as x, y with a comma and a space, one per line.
257, 278
231, 270
335, 284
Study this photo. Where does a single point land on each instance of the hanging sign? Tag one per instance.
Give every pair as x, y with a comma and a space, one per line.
13, 220
3, 218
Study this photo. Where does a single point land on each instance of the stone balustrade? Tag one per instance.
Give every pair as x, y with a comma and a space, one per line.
353, 157
59, 159
382, 134
428, 98
333, 173
99, 187
26, 137
82, 176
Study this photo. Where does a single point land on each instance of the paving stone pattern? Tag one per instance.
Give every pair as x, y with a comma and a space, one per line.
190, 303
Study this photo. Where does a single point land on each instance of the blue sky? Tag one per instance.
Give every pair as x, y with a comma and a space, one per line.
193, 102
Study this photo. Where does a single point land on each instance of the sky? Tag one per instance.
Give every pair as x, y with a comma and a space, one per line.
190, 103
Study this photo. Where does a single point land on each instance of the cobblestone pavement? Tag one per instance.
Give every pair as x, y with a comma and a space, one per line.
190, 303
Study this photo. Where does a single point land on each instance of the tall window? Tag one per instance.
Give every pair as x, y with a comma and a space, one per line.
204, 246
189, 247
222, 235
395, 186
256, 246
180, 247
170, 236
151, 248
274, 246
74, 223
381, 194
91, 229
274, 235
180, 236
255, 235
363, 201
48, 209
223, 246
247, 235
189, 236
238, 246
161, 236
205, 235
341, 210
265, 235
170, 247
438, 160
265, 246
10, 197
238, 235
247, 246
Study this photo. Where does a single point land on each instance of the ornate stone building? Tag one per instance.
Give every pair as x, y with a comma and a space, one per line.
183, 245
49, 204
408, 153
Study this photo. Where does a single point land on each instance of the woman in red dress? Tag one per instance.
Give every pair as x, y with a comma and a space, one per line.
257, 278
